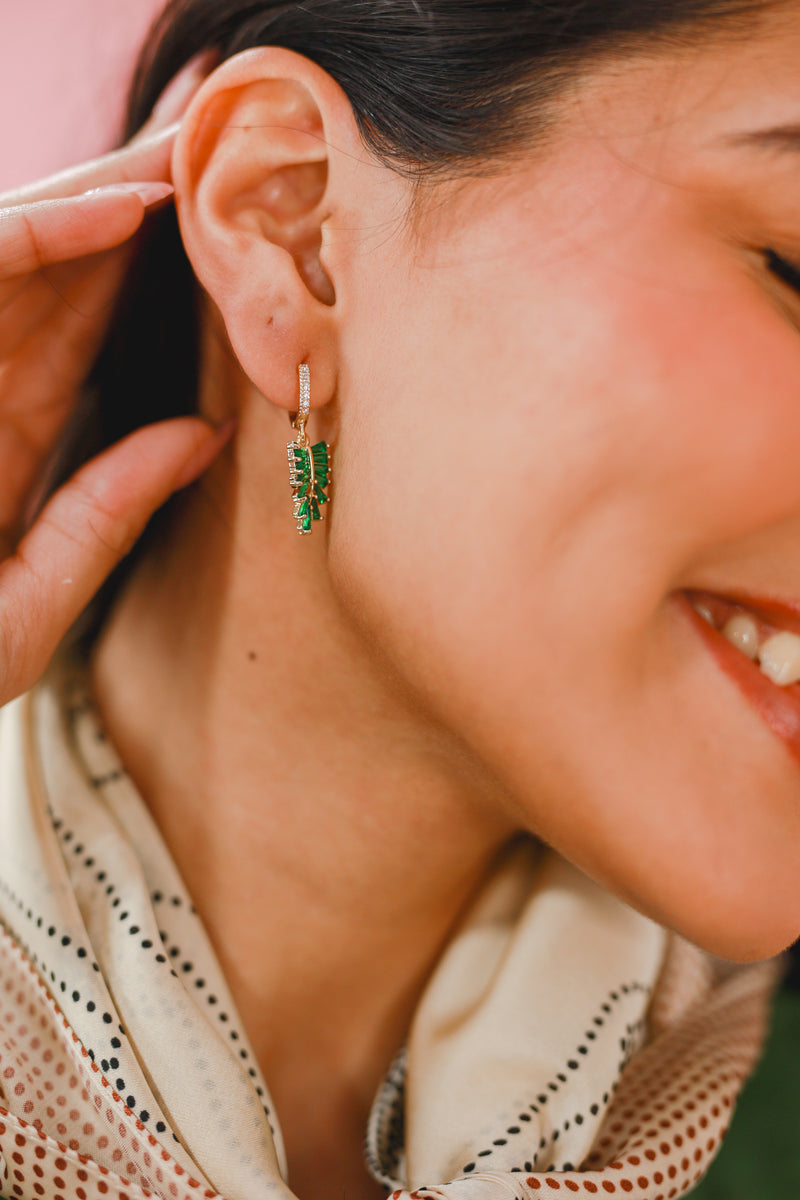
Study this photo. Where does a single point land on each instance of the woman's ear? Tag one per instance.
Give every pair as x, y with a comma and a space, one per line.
253, 190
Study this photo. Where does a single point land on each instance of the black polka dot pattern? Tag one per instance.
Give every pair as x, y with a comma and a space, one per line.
105, 967
385, 1134
528, 1157
154, 978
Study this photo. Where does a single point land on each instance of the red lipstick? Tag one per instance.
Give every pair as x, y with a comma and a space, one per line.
779, 707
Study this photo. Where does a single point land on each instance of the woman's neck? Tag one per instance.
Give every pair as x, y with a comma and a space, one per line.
329, 833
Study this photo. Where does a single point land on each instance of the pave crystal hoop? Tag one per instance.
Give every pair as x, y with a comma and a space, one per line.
309, 466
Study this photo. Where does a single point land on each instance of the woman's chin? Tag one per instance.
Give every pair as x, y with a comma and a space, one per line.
742, 915
748, 942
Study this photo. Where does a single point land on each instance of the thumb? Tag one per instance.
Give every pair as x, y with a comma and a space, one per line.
83, 531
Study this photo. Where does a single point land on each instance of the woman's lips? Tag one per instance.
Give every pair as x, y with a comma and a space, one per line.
778, 706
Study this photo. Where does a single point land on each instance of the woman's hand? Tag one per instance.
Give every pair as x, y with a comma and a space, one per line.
64, 246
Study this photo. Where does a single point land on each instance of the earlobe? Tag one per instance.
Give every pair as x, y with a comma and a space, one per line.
251, 175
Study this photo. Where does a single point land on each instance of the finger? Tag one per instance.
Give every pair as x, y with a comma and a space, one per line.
84, 530
177, 95
62, 327
145, 159
49, 231
73, 301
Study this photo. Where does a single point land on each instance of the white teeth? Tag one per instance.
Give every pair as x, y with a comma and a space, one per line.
779, 658
742, 630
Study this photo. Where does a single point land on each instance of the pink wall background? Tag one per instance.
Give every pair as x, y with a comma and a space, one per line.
64, 69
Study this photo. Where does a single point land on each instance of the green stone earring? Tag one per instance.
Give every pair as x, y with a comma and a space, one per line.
309, 466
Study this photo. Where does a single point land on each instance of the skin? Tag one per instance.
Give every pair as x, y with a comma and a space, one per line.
64, 244
559, 396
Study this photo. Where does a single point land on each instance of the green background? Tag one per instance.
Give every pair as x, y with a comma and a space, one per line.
760, 1157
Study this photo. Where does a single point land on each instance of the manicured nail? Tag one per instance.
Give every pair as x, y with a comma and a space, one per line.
148, 193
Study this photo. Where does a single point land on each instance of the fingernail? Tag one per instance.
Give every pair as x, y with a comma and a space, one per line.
147, 192
176, 95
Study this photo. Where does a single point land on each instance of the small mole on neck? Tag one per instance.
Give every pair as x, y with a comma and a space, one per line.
251, 654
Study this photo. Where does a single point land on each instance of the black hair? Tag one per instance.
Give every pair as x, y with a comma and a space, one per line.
437, 86
434, 84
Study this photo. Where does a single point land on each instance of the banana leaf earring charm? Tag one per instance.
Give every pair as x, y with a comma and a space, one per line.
309, 466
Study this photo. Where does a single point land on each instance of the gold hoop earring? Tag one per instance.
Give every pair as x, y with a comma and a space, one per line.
309, 466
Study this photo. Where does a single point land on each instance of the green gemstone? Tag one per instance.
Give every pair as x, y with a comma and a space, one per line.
311, 475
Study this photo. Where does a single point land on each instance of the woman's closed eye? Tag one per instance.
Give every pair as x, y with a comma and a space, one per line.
788, 272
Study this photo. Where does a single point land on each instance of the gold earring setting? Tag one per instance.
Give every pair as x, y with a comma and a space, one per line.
309, 466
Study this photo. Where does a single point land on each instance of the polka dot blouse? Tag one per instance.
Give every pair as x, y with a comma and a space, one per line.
564, 1042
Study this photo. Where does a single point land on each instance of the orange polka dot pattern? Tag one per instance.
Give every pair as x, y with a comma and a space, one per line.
64, 1132
70, 1129
671, 1107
